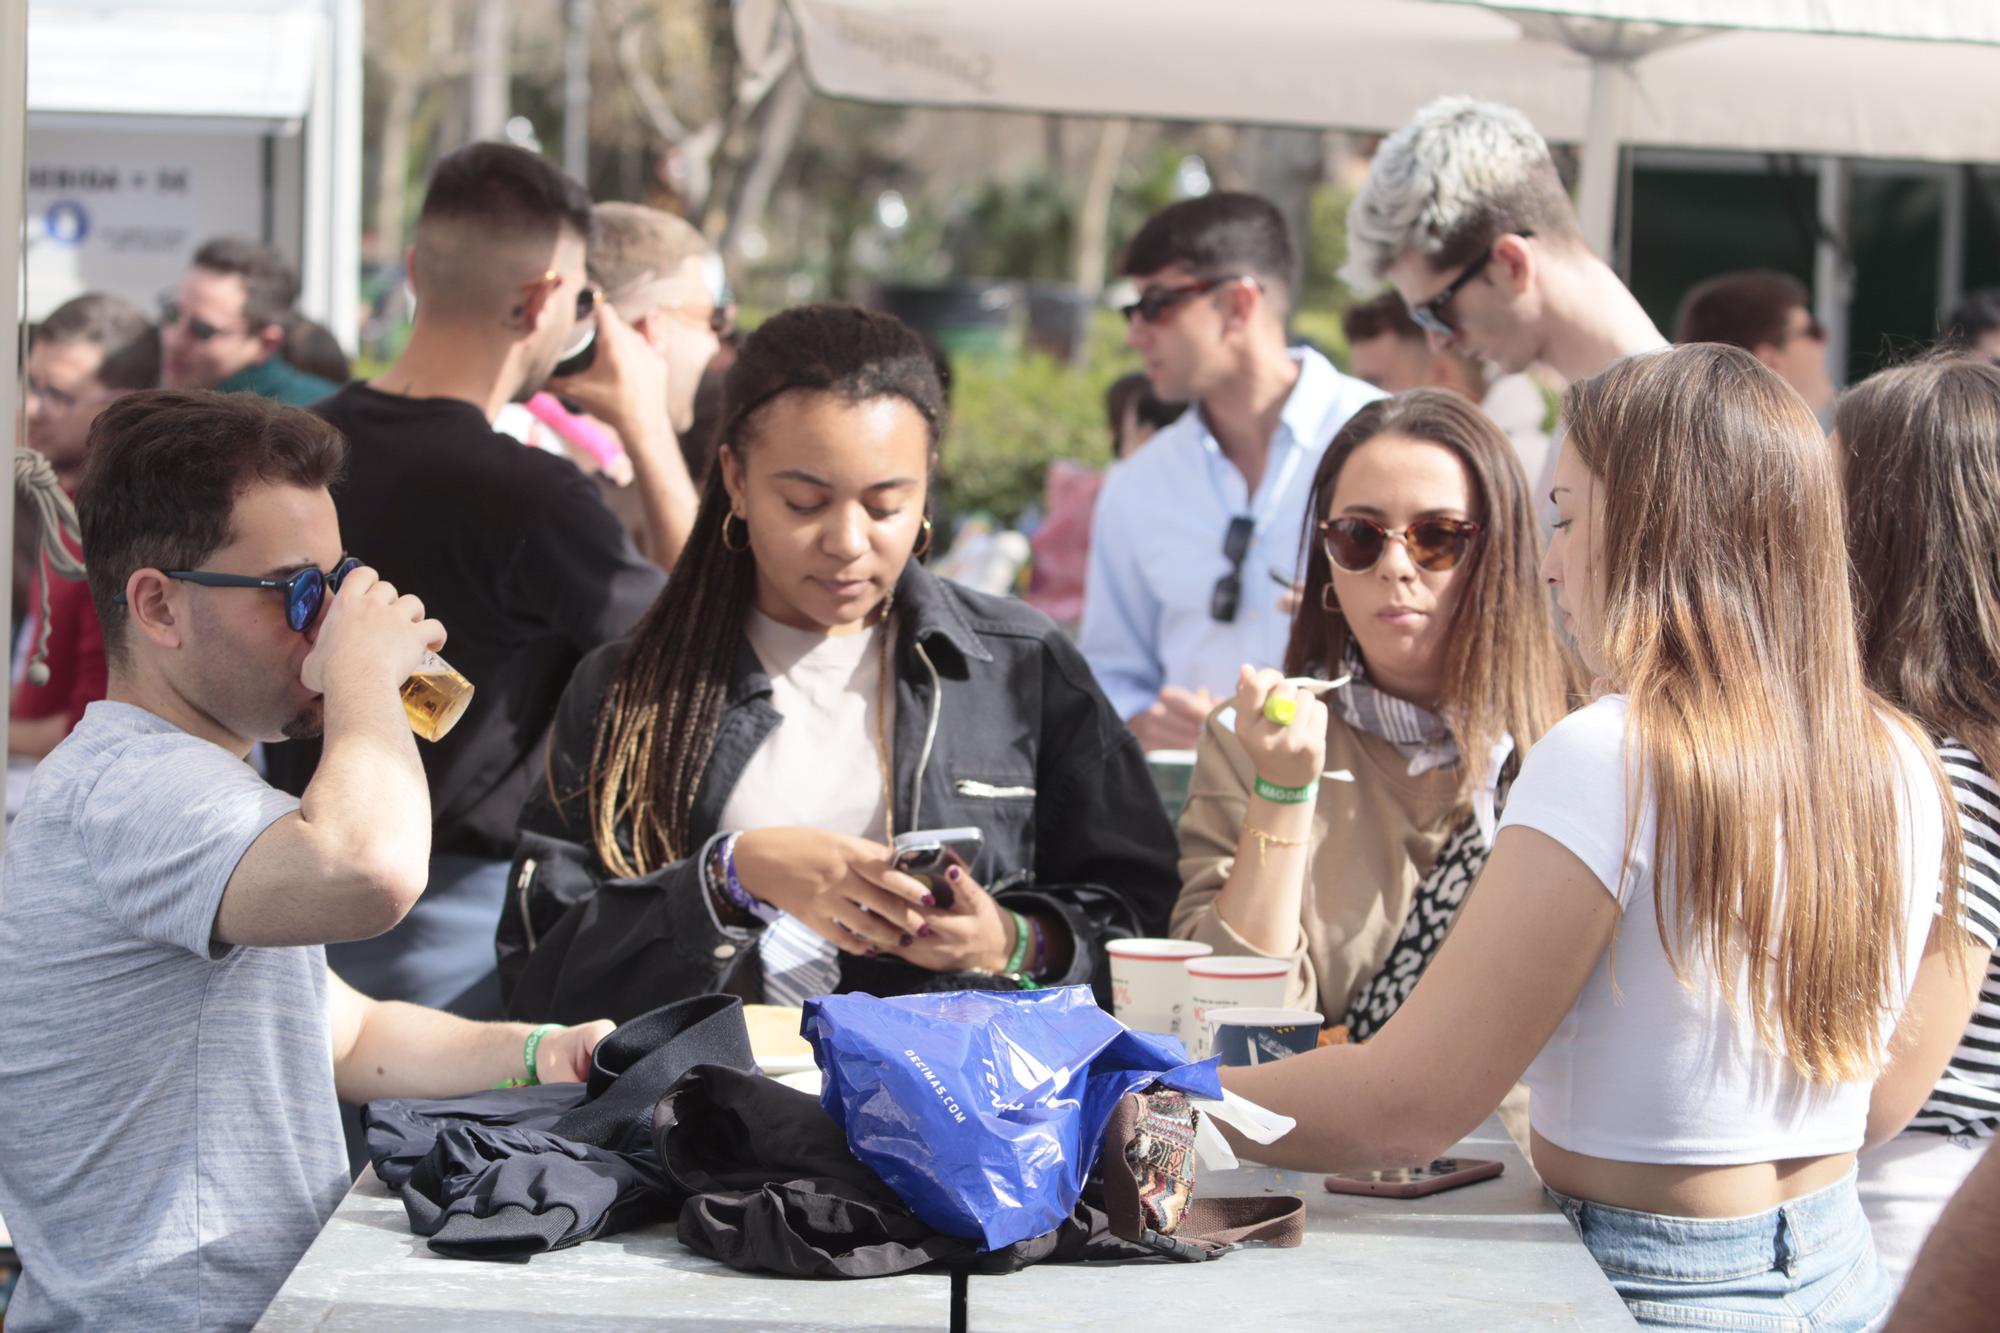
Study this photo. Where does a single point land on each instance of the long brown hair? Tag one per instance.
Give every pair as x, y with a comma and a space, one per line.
1504, 673
656, 729
1729, 623
1923, 531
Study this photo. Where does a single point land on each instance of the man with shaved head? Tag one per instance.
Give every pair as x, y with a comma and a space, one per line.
510, 547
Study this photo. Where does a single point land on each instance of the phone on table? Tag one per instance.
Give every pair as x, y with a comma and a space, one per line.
928, 854
1446, 1173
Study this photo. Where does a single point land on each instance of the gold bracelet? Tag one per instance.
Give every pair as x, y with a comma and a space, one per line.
1265, 841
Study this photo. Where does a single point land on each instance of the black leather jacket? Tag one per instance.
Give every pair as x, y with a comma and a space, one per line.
998, 723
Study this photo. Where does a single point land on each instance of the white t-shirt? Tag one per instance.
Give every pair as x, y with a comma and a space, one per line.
1650, 1070
819, 768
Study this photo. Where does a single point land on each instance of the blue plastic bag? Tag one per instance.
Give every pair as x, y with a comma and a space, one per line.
984, 1110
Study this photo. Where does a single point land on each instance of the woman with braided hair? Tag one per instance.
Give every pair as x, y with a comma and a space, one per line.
724, 787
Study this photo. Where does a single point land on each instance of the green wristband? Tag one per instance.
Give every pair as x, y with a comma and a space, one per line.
1277, 795
1021, 941
532, 1045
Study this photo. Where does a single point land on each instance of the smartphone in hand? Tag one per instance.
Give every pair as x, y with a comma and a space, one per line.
927, 854
1446, 1173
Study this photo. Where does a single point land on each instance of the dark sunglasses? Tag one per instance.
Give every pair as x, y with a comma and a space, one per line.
304, 591
1153, 306
198, 329
1431, 315
1227, 597
1435, 544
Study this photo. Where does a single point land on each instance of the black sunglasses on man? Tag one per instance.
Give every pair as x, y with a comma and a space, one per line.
1153, 304
1432, 316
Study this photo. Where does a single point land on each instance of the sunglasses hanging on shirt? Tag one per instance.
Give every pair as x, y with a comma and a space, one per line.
1227, 597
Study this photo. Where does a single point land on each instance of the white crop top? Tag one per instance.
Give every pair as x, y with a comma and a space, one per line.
1658, 1071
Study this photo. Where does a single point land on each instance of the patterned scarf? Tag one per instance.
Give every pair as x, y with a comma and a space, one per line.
1418, 734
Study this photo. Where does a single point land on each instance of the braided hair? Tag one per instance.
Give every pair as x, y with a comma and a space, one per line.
656, 730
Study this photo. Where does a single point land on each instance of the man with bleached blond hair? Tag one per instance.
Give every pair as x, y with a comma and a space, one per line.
1465, 216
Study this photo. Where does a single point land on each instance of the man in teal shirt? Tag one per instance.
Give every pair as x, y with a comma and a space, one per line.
224, 326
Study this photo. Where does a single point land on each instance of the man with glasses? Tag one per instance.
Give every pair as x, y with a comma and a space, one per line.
91, 350
224, 326
1190, 530
653, 269
1770, 316
1464, 214
176, 1048
509, 545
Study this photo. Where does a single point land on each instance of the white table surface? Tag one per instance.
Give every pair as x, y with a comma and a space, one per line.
1491, 1256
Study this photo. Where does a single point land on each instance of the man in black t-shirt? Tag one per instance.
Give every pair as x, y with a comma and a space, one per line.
510, 547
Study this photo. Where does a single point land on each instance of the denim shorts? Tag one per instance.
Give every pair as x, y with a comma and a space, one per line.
1808, 1265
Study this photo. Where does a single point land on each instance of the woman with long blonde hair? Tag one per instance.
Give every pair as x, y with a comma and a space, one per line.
1711, 890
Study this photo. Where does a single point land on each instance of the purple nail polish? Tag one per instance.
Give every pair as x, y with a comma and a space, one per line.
907, 940
930, 900
952, 874
923, 931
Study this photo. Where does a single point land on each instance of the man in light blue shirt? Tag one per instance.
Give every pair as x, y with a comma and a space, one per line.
1190, 531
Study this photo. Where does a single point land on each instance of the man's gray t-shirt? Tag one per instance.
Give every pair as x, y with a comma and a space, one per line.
169, 1135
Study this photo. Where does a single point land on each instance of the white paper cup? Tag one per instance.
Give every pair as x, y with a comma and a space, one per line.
1149, 983
1230, 983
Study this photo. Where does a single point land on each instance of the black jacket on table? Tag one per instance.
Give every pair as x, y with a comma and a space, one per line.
998, 724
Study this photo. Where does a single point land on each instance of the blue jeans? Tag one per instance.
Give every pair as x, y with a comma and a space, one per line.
1808, 1265
441, 954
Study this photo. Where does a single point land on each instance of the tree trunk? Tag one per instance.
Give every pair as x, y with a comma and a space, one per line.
1283, 164
489, 70
1093, 213
577, 22
392, 166
784, 112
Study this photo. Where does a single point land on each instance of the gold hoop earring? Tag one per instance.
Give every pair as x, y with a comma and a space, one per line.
738, 550
1326, 602
924, 550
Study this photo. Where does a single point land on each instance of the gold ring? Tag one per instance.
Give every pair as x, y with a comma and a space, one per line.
1280, 711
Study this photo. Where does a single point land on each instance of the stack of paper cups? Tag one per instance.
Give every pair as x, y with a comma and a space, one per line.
1230, 983
1149, 984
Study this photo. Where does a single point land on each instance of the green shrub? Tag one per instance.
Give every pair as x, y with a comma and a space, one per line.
1010, 420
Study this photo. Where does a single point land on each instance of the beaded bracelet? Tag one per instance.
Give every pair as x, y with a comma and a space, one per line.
732, 883
715, 881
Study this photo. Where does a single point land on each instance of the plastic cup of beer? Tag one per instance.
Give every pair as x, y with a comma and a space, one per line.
435, 697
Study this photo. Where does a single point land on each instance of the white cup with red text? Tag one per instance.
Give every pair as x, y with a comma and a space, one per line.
1230, 982
1149, 984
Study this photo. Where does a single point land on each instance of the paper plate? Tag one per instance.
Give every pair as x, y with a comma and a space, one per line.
775, 1039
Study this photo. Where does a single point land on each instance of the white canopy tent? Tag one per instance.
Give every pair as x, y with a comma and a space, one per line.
1867, 78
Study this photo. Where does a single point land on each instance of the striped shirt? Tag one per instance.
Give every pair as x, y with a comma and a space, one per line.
1967, 1099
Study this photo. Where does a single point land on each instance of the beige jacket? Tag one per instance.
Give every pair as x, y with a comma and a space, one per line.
1376, 831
